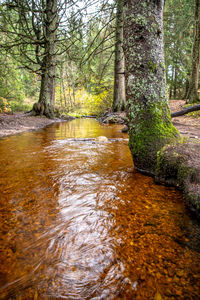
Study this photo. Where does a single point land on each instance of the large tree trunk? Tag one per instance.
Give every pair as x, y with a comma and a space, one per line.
119, 78
148, 110
192, 95
46, 101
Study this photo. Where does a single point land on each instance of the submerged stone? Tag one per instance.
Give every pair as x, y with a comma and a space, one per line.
101, 139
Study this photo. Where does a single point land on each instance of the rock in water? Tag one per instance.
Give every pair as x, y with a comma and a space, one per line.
101, 139
125, 129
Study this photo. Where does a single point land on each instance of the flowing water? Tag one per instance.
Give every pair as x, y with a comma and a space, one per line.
77, 222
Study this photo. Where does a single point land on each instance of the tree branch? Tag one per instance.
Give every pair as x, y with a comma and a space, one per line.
185, 111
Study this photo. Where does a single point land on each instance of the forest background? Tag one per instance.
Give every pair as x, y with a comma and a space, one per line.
86, 40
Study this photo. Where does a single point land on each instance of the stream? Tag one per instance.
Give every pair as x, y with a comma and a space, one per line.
78, 222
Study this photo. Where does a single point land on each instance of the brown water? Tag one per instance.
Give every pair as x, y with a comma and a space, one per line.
76, 221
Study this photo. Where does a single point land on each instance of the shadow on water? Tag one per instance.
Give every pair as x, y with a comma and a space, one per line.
77, 222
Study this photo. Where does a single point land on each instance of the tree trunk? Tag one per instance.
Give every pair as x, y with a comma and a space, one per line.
171, 84
119, 96
175, 81
46, 101
148, 110
186, 89
170, 92
194, 78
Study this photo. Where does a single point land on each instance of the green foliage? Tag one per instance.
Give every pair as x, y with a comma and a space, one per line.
11, 86
19, 106
16, 84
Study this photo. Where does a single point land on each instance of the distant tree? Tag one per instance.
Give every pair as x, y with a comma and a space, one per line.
192, 94
31, 29
150, 126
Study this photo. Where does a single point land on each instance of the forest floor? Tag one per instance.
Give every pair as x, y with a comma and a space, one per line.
187, 125
11, 124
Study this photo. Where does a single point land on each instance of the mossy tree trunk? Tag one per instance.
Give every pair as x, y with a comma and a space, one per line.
119, 96
150, 126
45, 105
192, 95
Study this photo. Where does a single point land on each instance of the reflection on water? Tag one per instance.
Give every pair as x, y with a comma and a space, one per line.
78, 223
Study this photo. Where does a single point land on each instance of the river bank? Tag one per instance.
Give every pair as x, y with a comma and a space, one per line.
16, 123
11, 124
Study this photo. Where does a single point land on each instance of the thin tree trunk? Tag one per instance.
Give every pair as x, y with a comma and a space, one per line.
119, 98
186, 89
74, 94
150, 126
194, 78
65, 99
171, 83
61, 76
170, 92
175, 82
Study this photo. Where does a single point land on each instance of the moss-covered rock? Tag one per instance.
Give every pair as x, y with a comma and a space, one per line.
179, 165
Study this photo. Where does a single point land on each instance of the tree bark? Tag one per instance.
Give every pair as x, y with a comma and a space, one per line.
192, 95
46, 101
119, 97
150, 126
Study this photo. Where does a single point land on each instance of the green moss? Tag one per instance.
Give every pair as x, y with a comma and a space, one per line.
150, 133
141, 20
152, 66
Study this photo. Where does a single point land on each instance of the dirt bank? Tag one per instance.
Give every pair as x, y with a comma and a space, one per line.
179, 164
11, 124
16, 123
